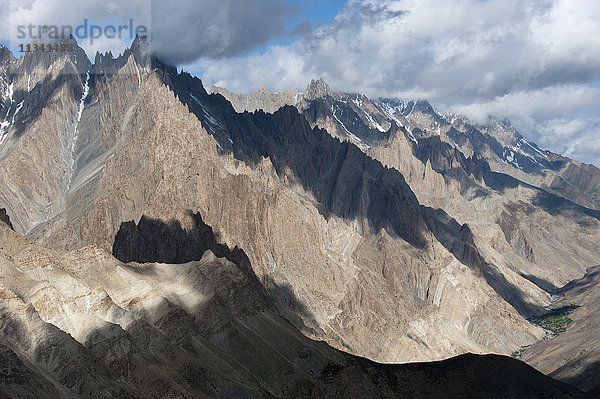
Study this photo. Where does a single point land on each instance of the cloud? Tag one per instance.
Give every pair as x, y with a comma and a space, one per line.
72, 13
564, 118
531, 61
182, 30
464, 48
215, 28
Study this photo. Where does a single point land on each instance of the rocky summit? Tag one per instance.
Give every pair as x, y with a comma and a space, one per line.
161, 241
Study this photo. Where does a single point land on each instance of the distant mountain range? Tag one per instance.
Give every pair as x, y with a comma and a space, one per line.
367, 124
172, 242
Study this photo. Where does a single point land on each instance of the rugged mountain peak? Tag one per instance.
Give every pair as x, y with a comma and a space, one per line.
265, 99
502, 130
316, 89
141, 50
108, 64
366, 123
79, 62
425, 106
5, 55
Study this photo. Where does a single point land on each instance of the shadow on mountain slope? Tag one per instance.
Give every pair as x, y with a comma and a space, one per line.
458, 240
540, 282
555, 205
5, 218
592, 274
258, 356
40, 97
344, 180
156, 241
587, 378
550, 203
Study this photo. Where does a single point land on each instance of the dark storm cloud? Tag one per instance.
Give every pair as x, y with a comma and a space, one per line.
184, 30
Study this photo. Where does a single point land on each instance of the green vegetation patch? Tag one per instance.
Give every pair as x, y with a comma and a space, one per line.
518, 353
556, 320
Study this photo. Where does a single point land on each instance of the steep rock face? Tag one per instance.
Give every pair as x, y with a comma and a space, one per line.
451, 164
41, 115
81, 324
343, 232
578, 181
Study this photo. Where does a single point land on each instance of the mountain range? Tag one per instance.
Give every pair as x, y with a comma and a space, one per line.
161, 241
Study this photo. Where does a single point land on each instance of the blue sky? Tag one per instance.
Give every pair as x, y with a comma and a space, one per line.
319, 11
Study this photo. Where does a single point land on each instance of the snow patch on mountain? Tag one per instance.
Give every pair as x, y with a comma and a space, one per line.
17, 111
508, 157
8, 93
212, 121
6, 124
545, 156
411, 111
86, 91
356, 140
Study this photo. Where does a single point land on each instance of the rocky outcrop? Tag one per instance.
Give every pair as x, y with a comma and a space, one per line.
5, 55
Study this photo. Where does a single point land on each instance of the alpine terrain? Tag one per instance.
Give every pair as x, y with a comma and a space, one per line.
160, 241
